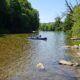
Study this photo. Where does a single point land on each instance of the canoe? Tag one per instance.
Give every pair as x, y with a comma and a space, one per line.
37, 38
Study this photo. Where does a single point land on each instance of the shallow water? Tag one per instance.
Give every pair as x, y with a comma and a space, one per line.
48, 52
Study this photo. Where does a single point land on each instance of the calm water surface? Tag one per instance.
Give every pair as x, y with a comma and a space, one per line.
48, 52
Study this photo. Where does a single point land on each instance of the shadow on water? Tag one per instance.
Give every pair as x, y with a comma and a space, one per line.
2, 35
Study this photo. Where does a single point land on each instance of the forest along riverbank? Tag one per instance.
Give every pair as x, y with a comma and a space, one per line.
19, 57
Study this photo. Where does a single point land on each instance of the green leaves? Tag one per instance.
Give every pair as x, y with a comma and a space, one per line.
58, 24
19, 16
76, 13
54, 26
76, 18
68, 23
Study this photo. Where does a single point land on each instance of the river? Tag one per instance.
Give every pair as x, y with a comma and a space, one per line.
48, 52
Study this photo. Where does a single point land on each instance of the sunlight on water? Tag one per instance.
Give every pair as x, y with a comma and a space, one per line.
19, 57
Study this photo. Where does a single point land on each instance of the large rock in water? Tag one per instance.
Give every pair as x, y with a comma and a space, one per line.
64, 62
40, 66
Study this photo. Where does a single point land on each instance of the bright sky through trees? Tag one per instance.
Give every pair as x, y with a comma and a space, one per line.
49, 9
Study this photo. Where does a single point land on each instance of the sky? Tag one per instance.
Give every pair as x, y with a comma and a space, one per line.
50, 9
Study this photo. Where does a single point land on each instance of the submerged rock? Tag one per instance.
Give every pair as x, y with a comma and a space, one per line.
67, 46
40, 66
75, 47
72, 47
78, 54
75, 38
64, 62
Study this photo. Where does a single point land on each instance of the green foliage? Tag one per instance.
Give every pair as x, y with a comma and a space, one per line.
46, 26
76, 13
68, 23
72, 21
76, 29
76, 18
55, 26
18, 16
3, 14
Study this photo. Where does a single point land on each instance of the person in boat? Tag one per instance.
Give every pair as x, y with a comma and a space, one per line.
40, 36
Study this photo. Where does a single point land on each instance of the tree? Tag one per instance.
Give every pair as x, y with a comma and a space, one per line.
17, 16
57, 24
68, 23
76, 18
69, 6
3, 16
14, 13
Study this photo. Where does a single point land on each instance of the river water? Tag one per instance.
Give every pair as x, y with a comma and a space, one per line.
48, 52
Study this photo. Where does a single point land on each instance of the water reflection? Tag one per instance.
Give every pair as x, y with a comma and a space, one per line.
47, 52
